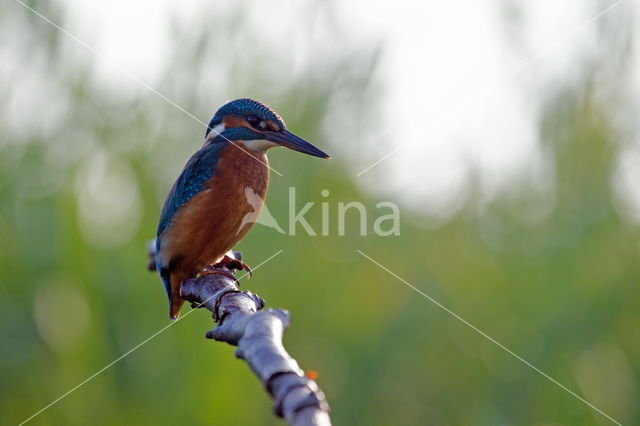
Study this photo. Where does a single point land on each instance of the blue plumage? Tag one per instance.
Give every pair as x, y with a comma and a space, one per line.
209, 228
199, 169
245, 107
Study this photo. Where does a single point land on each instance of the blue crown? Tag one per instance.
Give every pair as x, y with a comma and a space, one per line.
245, 107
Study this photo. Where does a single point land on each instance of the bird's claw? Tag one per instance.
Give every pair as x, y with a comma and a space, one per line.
233, 263
226, 266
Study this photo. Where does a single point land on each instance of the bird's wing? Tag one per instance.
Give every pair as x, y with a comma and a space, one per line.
199, 169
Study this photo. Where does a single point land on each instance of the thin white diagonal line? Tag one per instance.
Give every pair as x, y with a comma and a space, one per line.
395, 151
562, 40
134, 78
106, 367
511, 73
491, 339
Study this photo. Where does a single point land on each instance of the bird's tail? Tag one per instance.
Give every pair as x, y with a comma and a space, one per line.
173, 292
175, 303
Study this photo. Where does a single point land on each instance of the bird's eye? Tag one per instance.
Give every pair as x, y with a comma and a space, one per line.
253, 120
256, 123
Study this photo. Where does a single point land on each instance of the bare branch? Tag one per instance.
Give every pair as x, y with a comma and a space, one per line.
258, 336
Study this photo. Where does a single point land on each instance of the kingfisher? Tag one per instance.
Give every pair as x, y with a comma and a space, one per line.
223, 183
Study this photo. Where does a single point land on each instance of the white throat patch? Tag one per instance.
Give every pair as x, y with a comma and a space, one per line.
260, 145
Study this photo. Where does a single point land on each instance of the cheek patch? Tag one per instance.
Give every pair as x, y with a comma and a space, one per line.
232, 121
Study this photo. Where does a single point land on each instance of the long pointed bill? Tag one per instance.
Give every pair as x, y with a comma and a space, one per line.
291, 141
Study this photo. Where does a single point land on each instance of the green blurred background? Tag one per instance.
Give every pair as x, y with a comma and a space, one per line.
85, 166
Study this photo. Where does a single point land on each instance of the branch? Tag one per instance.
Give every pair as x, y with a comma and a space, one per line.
258, 336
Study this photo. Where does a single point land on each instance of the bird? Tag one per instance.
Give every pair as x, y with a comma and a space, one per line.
205, 213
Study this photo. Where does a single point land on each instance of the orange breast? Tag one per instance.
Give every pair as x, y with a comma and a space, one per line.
214, 220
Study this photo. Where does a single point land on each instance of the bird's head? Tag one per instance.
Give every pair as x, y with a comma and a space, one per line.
257, 127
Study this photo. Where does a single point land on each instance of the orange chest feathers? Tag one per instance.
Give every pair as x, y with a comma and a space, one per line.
241, 178
216, 219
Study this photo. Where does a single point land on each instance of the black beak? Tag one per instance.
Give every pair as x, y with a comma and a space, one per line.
291, 141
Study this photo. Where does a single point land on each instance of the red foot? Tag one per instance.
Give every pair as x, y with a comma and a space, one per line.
233, 263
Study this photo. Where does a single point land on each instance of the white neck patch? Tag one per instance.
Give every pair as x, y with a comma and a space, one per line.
216, 131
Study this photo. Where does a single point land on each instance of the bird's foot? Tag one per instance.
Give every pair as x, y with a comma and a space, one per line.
233, 263
214, 269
